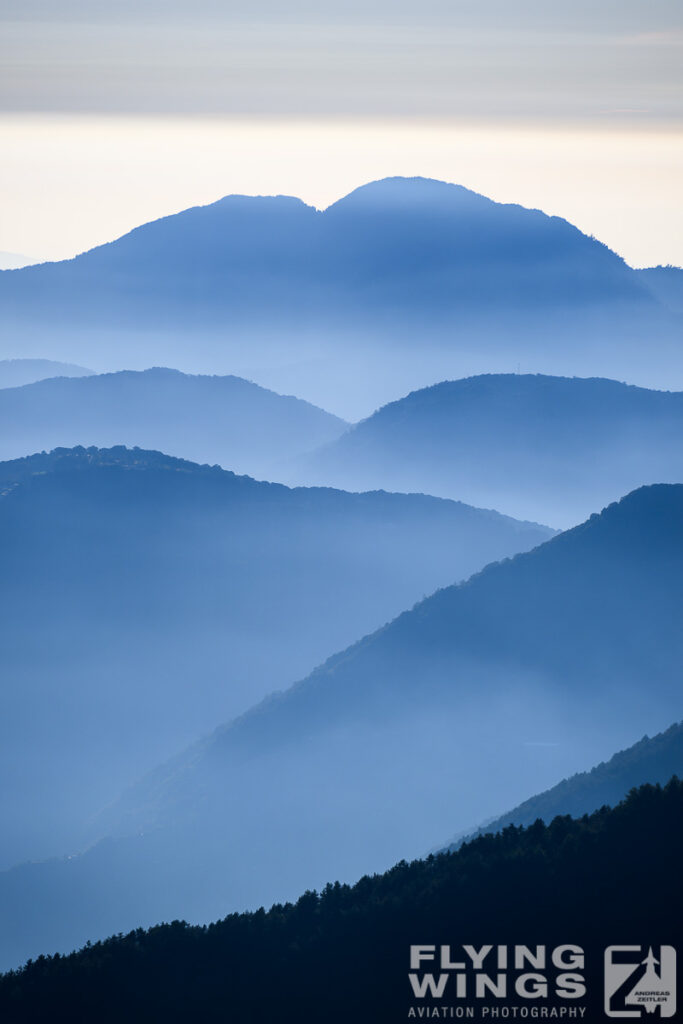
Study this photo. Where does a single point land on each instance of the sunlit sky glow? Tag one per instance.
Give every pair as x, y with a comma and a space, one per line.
112, 114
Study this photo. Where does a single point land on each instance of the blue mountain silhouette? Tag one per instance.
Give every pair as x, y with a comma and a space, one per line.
481, 694
666, 284
539, 447
222, 420
402, 282
652, 760
15, 373
145, 598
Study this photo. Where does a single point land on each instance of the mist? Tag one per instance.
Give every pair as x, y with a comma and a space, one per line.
168, 597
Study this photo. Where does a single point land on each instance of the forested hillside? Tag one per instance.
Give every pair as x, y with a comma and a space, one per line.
342, 955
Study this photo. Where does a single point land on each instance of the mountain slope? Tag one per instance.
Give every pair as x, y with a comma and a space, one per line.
368, 246
15, 261
144, 598
652, 760
15, 373
552, 884
277, 291
222, 420
456, 710
579, 622
665, 284
547, 448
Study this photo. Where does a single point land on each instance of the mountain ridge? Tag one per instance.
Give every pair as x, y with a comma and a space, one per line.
456, 710
652, 760
277, 291
537, 446
215, 419
17, 372
168, 596
295, 953
419, 655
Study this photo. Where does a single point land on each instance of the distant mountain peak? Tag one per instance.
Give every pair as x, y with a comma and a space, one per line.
492, 382
340, 295
280, 199
401, 191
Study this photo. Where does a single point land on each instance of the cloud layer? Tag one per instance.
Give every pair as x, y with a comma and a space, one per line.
491, 59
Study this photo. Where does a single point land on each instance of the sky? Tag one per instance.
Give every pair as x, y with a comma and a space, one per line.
115, 113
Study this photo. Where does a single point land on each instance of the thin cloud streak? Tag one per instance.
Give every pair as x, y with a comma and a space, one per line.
436, 67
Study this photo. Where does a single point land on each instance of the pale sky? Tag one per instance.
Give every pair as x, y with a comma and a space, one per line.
115, 113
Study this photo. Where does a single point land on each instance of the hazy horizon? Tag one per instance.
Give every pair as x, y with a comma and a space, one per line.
112, 115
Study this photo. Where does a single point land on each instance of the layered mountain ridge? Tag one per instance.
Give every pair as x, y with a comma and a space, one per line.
352, 940
481, 694
652, 760
145, 598
328, 303
225, 420
17, 372
548, 448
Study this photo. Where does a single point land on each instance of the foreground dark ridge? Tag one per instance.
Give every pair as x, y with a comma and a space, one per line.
422, 726
342, 954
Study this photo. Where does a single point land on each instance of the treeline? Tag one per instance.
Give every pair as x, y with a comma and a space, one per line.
342, 954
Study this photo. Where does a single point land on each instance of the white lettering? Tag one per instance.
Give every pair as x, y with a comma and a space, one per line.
537, 959
420, 953
497, 988
574, 962
446, 962
420, 987
538, 987
570, 986
477, 957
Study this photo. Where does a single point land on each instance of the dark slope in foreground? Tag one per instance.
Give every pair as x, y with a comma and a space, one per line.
651, 760
548, 448
343, 954
224, 420
143, 599
458, 709
274, 290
